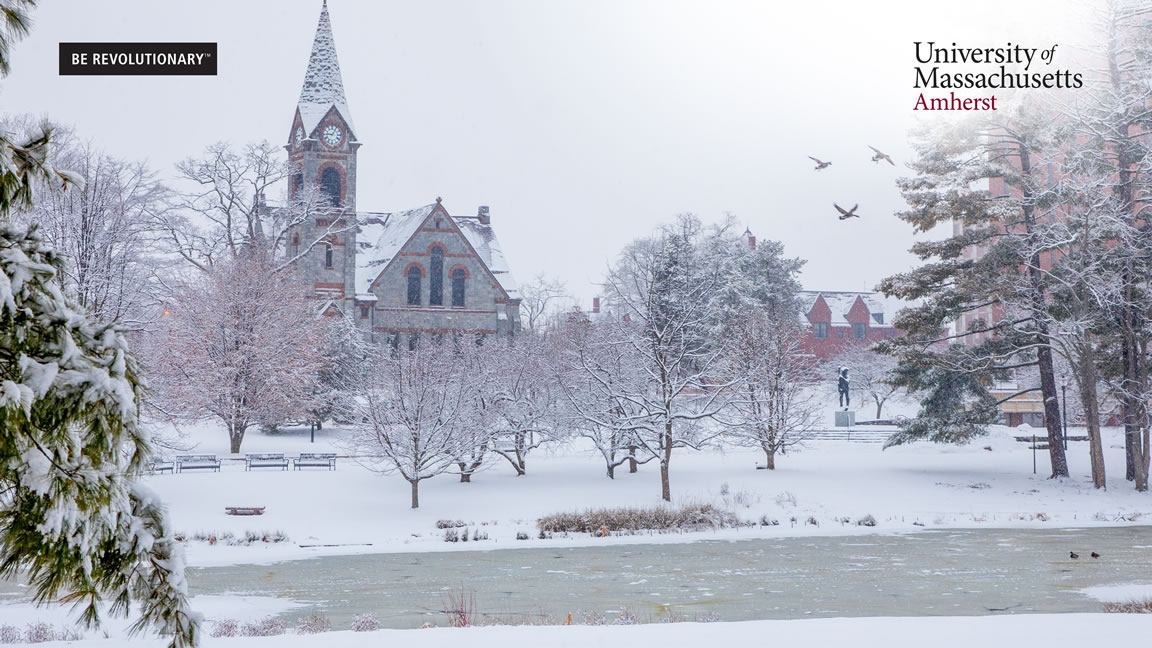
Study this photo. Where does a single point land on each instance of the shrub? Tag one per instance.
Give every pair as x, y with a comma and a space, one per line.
266, 627
867, 521
70, 633
520, 535
449, 524
10, 634
811, 520
39, 632
451, 535
461, 608
1130, 607
314, 624
786, 499
365, 623
767, 521
479, 535
225, 628
656, 518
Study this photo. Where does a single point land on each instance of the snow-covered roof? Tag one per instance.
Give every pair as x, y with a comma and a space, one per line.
381, 237
483, 238
841, 302
323, 86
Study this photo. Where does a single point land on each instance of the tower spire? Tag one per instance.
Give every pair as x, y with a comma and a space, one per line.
323, 86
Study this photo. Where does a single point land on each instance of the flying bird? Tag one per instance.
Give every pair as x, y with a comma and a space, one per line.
1073, 555
1095, 555
880, 155
851, 213
819, 164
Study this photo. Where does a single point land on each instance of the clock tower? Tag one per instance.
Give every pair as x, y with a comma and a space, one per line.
322, 147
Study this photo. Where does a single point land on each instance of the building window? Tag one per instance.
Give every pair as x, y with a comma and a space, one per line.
328, 254
860, 331
458, 276
820, 329
436, 278
840, 333
363, 312
330, 185
414, 286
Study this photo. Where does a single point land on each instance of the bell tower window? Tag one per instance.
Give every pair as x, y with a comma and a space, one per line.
330, 185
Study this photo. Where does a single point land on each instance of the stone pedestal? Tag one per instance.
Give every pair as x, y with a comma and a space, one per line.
845, 419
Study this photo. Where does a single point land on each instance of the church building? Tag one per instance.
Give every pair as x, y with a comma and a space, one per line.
399, 275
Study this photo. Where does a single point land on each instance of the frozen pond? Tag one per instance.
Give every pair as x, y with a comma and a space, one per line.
959, 572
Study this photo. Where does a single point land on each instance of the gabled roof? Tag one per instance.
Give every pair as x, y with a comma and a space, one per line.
840, 302
483, 240
323, 86
381, 237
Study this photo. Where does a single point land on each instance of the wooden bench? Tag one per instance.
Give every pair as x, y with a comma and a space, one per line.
315, 460
196, 462
160, 466
265, 460
244, 510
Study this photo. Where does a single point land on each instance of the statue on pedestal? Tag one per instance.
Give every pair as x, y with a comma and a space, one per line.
842, 385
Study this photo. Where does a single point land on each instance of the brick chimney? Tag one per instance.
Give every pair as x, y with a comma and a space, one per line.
751, 239
482, 214
595, 304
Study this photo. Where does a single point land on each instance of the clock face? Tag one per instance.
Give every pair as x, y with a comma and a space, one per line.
298, 136
332, 135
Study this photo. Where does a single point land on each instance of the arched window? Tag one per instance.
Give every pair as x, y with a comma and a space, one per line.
458, 276
328, 253
330, 185
413, 286
297, 184
436, 278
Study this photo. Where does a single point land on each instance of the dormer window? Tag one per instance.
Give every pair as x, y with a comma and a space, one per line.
820, 329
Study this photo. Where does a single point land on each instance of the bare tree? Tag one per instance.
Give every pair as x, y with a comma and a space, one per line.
416, 413
102, 228
540, 299
772, 404
224, 214
662, 287
240, 344
523, 387
595, 374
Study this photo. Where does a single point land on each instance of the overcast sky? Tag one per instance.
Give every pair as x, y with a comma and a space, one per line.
582, 124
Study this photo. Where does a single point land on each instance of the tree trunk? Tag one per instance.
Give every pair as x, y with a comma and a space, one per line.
1143, 459
415, 492
879, 408
632, 465
665, 485
1039, 309
235, 437
465, 478
1088, 398
611, 471
770, 458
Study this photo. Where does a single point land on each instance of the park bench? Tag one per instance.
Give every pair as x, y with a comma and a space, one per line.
315, 460
265, 460
160, 466
196, 462
244, 510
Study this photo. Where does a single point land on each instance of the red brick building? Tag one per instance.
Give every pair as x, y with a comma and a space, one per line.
838, 319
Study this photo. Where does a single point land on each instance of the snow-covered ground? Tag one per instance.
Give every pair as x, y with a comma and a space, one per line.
353, 510
1051, 631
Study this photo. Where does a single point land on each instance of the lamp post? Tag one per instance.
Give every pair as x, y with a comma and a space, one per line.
1064, 413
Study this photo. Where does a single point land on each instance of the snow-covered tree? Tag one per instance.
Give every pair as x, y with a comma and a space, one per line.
522, 385
73, 520
540, 300
224, 214
102, 229
415, 413
998, 301
662, 288
347, 356
595, 373
772, 404
242, 345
